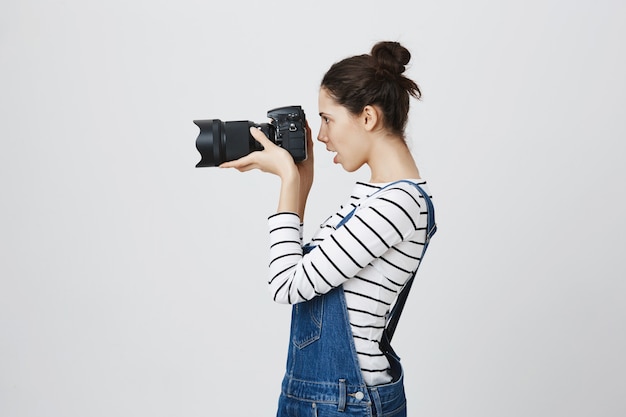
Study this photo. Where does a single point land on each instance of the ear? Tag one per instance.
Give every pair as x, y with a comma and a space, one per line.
370, 118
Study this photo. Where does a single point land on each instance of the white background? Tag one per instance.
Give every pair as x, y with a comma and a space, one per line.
133, 283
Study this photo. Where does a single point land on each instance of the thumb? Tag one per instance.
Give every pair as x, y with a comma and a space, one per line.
260, 136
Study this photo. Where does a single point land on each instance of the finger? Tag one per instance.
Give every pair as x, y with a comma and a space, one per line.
260, 136
245, 168
240, 167
238, 163
309, 139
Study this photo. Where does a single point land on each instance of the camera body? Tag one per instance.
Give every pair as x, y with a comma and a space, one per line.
220, 141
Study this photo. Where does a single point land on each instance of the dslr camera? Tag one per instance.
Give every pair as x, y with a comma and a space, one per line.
220, 141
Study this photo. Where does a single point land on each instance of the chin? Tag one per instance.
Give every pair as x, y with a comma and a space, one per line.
350, 168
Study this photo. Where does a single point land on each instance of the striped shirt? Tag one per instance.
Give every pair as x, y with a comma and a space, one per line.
372, 255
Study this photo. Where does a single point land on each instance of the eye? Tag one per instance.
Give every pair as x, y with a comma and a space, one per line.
326, 119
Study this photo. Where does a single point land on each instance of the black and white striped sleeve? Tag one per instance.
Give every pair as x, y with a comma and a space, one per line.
384, 221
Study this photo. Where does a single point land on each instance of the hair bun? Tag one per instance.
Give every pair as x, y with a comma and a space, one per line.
390, 59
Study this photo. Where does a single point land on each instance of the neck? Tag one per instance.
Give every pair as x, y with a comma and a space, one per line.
390, 160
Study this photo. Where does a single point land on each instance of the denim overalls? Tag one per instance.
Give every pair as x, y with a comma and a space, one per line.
323, 377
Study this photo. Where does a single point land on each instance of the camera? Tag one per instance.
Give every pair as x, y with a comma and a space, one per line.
220, 141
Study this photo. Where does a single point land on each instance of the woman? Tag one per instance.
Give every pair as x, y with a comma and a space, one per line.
345, 282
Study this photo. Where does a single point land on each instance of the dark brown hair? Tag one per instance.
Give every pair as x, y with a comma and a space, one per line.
375, 79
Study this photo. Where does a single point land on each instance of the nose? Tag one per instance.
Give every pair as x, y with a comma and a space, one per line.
321, 136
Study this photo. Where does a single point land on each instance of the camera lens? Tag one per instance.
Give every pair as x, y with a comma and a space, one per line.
220, 142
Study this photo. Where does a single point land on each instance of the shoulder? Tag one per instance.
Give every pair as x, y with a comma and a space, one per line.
399, 204
407, 193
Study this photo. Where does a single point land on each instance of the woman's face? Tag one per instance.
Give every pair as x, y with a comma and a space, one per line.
342, 133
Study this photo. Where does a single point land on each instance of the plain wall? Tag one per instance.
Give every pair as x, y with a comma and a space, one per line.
134, 284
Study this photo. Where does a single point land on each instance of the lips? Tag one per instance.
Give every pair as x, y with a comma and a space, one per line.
335, 152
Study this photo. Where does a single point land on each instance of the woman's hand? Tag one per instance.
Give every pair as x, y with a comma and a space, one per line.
274, 160
305, 169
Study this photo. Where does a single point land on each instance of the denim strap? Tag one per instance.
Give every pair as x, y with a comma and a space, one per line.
431, 229
342, 395
396, 311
